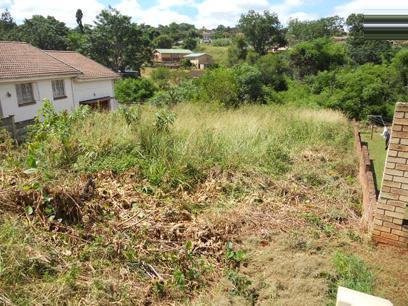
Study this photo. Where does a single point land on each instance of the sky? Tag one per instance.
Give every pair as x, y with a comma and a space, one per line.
202, 13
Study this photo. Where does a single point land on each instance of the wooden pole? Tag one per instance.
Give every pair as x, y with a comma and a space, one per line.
372, 131
13, 128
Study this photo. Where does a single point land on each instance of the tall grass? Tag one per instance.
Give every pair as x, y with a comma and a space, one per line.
252, 138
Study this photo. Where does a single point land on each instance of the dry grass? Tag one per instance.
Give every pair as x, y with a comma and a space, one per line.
101, 245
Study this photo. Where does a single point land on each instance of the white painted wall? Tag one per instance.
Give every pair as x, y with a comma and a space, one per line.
74, 90
86, 90
42, 89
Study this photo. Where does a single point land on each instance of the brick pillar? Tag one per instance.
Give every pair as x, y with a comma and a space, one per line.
390, 219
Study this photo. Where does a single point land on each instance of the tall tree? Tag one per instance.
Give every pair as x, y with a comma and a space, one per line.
262, 31
307, 30
362, 50
79, 16
44, 32
118, 43
7, 26
163, 41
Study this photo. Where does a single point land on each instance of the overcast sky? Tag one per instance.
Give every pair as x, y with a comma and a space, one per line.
207, 13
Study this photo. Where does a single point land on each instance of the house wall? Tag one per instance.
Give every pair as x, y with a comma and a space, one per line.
86, 90
75, 92
42, 89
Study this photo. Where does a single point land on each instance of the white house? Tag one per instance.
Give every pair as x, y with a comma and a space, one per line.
68, 79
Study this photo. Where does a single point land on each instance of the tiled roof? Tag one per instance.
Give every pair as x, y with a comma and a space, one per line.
89, 68
21, 60
174, 51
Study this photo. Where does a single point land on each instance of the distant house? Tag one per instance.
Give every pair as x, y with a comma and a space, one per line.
200, 60
68, 79
207, 37
169, 55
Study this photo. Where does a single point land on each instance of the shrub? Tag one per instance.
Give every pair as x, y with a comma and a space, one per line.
400, 63
134, 90
316, 55
221, 42
249, 81
185, 63
219, 85
273, 70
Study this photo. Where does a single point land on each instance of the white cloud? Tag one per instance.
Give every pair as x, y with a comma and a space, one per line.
155, 15
227, 12
372, 7
61, 10
288, 9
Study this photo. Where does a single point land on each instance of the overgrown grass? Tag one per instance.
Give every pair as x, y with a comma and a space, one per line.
253, 138
219, 54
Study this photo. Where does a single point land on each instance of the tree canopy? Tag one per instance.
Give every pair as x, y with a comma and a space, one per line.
262, 31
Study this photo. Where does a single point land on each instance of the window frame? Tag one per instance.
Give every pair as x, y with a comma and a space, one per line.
55, 88
21, 101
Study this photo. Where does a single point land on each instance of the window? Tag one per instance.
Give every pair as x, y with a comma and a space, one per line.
58, 89
25, 94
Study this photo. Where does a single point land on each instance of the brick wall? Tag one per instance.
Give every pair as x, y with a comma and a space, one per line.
390, 224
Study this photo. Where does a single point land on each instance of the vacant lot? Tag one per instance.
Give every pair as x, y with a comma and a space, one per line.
193, 205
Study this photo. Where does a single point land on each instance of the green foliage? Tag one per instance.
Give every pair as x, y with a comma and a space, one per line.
249, 81
237, 52
161, 76
242, 287
273, 69
189, 43
185, 63
221, 42
134, 90
44, 32
361, 50
220, 86
163, 42
299, 31
117, 43
8, 26
400, 64
352, 273
234, 258
262, 31
164, 120
320, 54
368, 89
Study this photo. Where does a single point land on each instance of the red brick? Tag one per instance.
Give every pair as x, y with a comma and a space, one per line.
397, 221
389, 236
396, 203
386, 207
382, 228
399, 233
391, 225
401, 167
391, 184
394, 172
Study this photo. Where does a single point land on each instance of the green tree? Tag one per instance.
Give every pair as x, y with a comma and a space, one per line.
7, 26
249, 81
44, 32
238, 51
134, 90
361, 50
299, 31
400, 63
118, 43
273, 69
190, 43
78, 17
317, 55
163, 41
262, 31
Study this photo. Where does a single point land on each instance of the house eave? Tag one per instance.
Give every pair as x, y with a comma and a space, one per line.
37, 78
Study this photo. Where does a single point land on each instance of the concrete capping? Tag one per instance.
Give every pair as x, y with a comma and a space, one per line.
367, 182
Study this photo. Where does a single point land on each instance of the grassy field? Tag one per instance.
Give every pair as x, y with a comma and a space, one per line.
376, 149
192, 205
219, 54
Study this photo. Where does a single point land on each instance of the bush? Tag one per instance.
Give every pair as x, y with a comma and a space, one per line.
134, 90
220, 86
185, 63
316, 55
249, 81
273, 70
368, 89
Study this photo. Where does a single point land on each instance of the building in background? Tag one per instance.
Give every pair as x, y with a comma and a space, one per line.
200, 60
29, 75
169, 56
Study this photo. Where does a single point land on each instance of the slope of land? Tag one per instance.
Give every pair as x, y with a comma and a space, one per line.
194, 205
